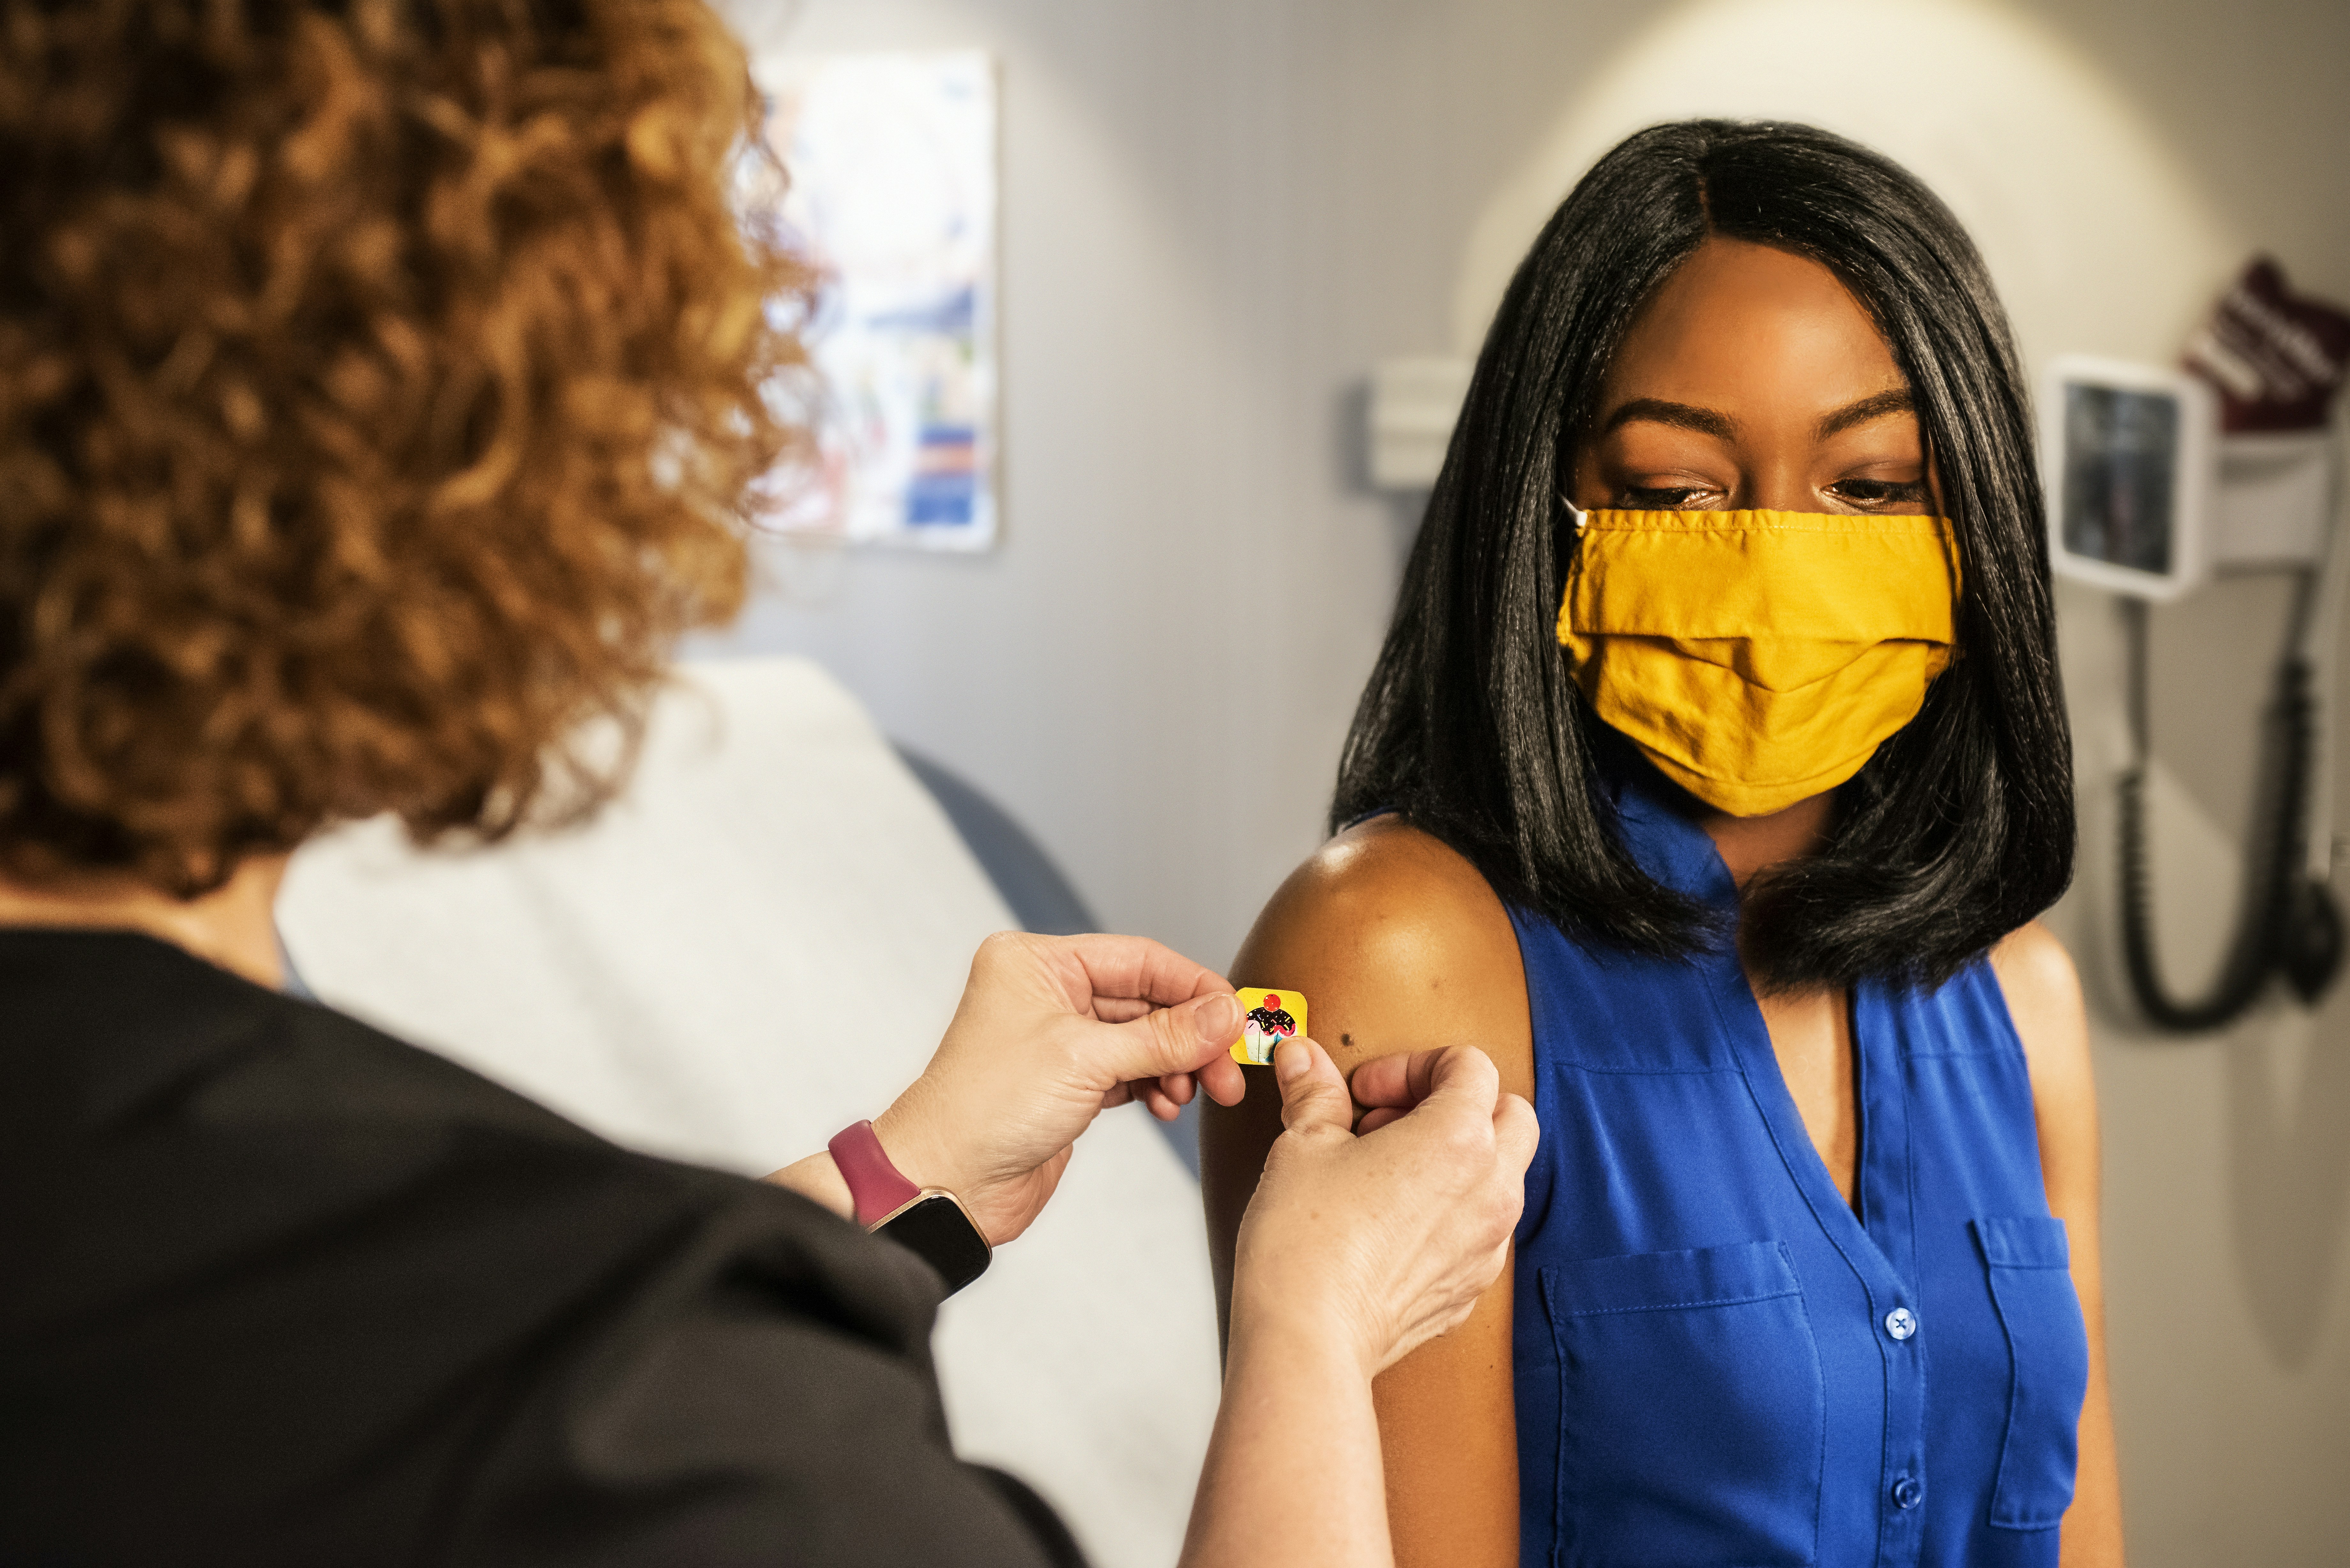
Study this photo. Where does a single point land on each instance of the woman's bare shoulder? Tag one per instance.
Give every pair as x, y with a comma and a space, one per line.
2035, 968
1397, 942
1380, 895
2037, 977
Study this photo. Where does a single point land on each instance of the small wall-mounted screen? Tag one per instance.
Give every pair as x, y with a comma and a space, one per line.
2120, 454
2129, 456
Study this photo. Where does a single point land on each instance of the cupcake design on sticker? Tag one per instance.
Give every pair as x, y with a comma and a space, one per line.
1267, 1026
1273, 1017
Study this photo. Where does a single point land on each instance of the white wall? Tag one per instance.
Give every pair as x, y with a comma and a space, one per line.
1217, 214
1220, 212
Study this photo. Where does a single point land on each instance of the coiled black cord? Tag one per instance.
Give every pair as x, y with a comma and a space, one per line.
2289, 923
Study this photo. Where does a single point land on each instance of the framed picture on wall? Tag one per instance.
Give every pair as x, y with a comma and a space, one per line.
889, 193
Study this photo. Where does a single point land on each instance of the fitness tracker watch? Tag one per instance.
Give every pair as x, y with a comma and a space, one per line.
929, 1221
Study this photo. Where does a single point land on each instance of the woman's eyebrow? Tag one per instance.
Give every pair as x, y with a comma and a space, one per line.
1688, 416
1896, 402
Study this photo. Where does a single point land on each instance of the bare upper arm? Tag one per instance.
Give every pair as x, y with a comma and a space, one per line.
1397, 944
2043, 998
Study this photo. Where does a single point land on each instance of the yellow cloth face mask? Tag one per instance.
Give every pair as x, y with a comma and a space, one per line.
1759, 658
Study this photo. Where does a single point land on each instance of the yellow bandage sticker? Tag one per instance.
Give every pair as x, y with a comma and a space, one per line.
1274, 1016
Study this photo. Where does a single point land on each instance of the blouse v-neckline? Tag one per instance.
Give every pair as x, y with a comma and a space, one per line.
1869, 1229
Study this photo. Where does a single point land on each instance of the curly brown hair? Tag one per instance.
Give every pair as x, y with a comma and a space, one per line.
380, 385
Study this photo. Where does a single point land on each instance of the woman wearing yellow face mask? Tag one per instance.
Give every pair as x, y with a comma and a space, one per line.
1711, 778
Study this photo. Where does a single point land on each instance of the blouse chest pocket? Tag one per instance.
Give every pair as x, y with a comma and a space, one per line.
2048, 1362
1691, 1410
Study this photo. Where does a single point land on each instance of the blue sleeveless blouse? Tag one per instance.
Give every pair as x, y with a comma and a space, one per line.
1719, 1362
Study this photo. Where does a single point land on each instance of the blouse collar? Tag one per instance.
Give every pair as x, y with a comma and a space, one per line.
1663, 835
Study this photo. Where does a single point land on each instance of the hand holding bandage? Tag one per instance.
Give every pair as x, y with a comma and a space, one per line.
1379, 1235
1760, 657
1052, 1031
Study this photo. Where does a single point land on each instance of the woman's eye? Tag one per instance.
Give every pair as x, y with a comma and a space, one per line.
1638, 499
1880, 491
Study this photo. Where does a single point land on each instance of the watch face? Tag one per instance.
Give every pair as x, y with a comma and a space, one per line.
936, 1230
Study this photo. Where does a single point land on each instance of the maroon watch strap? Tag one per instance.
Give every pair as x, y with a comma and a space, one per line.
877, 1187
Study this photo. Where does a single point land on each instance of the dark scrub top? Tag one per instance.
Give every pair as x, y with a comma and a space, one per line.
1718, 1361
275, 1288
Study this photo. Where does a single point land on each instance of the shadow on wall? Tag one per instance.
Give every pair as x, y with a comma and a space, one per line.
2282, 1073
2289, 1178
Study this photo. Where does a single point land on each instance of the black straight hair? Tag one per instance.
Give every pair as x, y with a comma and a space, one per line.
1959, 828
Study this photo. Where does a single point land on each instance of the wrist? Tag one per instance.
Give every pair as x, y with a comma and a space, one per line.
1304, 1328
911, 1135
818, 1178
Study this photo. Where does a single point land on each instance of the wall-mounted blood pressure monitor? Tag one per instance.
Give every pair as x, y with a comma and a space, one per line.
2130, 461
2146, 498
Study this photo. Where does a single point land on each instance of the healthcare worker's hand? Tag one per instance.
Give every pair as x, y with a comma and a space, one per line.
1050, 1031
1384, 1238
1355, 1248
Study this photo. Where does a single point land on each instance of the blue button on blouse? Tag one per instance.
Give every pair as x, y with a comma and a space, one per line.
1719, 1361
